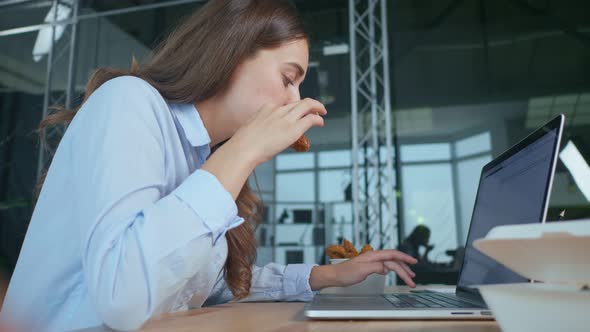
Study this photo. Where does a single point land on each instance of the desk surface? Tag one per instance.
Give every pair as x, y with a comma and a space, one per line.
283, 317
287, 317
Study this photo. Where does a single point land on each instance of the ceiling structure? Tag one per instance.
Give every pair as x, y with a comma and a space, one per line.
445, 55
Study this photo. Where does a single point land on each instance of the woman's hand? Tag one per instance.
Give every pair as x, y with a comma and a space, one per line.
359, 268
273, 129
269, 132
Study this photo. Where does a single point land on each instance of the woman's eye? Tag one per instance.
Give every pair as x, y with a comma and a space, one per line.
287, 81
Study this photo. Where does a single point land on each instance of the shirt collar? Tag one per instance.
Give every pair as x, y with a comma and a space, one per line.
191, 124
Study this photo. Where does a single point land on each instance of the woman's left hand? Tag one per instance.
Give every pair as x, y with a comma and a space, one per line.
359, 268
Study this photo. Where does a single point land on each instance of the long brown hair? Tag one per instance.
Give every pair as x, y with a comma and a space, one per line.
196, 62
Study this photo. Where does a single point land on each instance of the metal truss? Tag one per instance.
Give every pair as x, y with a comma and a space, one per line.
374, 201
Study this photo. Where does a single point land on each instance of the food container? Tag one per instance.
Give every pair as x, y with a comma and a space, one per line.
558, 255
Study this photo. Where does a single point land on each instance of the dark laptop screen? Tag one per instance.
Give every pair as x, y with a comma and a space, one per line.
513, 189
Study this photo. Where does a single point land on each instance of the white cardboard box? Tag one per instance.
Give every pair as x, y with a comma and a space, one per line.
556, 254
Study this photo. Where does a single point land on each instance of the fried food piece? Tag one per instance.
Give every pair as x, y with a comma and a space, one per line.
346, 250
302, 144
350, 249
336, 251
366, 248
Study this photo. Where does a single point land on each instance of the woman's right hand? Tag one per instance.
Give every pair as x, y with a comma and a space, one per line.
270, 131
359, 268
273, 129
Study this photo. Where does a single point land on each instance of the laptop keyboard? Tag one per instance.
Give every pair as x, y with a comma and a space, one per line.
427, 300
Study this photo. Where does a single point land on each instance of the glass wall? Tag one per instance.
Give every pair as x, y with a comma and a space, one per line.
482, 75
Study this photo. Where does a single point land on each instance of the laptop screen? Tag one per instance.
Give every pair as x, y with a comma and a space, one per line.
513, 189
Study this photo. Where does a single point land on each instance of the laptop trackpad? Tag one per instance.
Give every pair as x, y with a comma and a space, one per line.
342, 302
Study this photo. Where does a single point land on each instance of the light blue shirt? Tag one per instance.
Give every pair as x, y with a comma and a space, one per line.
127, 226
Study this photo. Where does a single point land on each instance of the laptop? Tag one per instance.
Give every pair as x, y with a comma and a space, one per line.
513, 189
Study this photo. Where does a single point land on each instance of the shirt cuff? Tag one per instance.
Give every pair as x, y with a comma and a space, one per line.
296, 282
210, 201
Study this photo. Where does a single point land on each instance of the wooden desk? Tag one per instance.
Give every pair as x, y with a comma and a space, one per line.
288, 317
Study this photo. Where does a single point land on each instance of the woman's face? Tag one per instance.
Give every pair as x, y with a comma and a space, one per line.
272, 76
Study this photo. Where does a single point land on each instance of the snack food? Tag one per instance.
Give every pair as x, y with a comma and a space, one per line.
336, 251
346, 250
302, 144
365, 248
350, 249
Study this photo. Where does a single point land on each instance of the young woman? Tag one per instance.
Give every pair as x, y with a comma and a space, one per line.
146, 208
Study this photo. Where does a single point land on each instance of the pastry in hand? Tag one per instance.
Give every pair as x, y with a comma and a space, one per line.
302, 144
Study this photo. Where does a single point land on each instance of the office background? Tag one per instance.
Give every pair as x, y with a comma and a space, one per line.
468, 79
